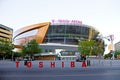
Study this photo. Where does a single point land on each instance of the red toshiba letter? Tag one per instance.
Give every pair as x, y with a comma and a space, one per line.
62, 64
40, 64
17, 64
29, 64
72, 64
52, 64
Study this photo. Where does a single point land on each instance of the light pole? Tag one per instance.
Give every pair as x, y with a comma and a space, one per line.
111, 39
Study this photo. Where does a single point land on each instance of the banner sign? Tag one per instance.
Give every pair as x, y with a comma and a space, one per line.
66, 21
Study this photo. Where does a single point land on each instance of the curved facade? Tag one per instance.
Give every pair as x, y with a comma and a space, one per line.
66, 34
52, 36
36, 31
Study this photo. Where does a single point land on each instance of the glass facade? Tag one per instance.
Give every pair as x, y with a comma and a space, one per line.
66, 34
29, 33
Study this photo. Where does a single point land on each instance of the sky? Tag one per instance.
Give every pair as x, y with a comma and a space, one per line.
101, 14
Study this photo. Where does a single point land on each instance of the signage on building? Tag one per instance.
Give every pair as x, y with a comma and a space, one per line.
66, 21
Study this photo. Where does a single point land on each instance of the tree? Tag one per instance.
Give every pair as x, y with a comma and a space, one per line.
91, 47
87, 46
117, 52
31, 48
6, 47
101, 46
109, 55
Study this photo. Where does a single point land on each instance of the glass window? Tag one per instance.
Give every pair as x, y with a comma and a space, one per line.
29, 33
67, 34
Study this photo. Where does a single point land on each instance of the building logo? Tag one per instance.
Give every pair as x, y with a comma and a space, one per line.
66, 21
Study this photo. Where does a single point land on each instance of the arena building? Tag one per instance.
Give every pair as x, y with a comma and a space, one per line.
55, 36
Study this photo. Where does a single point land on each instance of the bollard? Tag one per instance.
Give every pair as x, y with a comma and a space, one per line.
25, 62
88, 62
93, 63
99, 61
110, 63
102, 63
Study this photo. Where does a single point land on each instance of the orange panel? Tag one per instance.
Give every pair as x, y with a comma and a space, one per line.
17, 46
41, 33
42, 29
31, 27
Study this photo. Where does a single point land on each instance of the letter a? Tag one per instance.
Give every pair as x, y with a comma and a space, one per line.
29, 64
62, 64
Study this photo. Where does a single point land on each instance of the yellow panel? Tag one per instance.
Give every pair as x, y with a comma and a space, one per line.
90, 33
110, 47
4, 35
5, 31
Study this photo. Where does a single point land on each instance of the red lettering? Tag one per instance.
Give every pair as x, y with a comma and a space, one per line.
62, 64
80, 22
67, 21
29, 64
17, 64
72, 64
60, 21
52, 64
53, 21
40, 64
72, 21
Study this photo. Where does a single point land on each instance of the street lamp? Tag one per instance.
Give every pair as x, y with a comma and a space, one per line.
111, 39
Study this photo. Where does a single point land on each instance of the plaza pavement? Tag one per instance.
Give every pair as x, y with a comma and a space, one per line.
99, 70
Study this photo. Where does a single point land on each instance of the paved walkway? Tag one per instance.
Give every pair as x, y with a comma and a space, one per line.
103, 70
